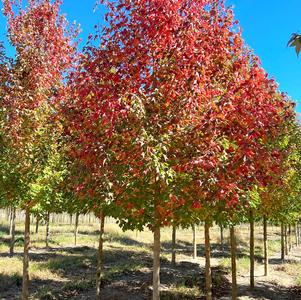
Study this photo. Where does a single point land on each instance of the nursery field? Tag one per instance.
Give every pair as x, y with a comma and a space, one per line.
147, 156
66, 271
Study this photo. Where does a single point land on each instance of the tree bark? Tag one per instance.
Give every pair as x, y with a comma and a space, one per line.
37, 224
25, 282
289, 237
156, 270
233, 262
195, 253
298, 232
252, 263
70, 219
12, 231
222, 238
173, 250
285, 240
282, 242
265, 247
11, 212
76, 228
207, 264
99, 271
296, 235
47, 230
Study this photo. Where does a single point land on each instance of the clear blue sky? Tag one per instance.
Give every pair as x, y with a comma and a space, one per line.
267, 26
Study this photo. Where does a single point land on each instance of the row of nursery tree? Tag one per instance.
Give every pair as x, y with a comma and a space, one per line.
165, 118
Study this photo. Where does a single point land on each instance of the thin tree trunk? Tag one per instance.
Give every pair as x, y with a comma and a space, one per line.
99, 271
11, 220
207, 264
285, 240
299, 231
233, 262
76, 228
289, 237
47, 230
37, 224
25, 282
222, 238
252, 263
195, 253
296, 235
173, 250
156, 270
265, 247
12, 231
282, 242
70, 219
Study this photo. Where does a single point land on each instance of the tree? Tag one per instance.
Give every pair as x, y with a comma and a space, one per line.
134, 95
44, 53
295, 41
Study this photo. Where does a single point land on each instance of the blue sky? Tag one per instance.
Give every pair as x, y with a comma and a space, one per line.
267, 26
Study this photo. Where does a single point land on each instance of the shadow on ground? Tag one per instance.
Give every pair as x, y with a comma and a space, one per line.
267, 290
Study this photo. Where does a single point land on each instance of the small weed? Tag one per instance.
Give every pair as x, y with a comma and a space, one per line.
79, 286
66, 263
45, 293
298, 281
182, 291
242, 264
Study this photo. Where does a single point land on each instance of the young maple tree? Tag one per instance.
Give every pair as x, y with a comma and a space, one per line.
171, 95
44, 53
225, 146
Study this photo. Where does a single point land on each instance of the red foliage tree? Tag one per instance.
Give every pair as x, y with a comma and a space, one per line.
171, 95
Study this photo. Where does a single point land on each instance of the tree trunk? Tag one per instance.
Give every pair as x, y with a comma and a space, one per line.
173, 250
265, 247
47, 230
156, 270
296, 235
285, 240
25, 282
207, 264
233, 262
289, 237
99, 271
70, 219
12, 231
37, 224
76, 228
282, 242
195, 253
252, 263
11, 220
222, 238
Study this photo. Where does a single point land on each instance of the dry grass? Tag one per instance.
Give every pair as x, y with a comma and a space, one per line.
64, 271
